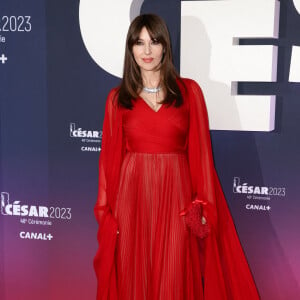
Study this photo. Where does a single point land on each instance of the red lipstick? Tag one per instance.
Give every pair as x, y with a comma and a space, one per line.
147, 60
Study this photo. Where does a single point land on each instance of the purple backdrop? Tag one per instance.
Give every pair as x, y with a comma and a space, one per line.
52, 101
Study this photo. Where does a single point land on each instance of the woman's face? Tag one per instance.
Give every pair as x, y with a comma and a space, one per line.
147, 52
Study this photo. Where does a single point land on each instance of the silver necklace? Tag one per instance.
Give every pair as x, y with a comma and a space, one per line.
151, 90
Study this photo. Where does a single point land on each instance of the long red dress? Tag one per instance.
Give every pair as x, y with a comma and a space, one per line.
151, 165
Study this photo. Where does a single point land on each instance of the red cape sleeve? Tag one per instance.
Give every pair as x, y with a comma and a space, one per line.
111, 156
226, 271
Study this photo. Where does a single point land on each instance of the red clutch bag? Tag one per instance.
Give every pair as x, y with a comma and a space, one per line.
195, 219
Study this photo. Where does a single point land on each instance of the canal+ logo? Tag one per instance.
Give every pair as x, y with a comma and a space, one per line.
35, 236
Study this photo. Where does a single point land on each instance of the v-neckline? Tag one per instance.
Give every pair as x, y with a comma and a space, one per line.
155, 111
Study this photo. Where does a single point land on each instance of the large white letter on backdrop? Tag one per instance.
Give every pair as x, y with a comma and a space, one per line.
294, 75
210, 54
297, 5
295, 59
104, 25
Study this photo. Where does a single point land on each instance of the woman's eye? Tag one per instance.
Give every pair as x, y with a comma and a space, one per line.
139, 42
155, 42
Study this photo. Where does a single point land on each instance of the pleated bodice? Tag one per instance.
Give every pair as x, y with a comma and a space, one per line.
155, 132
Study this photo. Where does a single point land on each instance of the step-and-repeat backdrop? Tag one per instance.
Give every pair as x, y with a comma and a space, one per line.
58, 61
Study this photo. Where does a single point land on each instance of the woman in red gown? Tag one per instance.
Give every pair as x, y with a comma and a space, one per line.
156, 167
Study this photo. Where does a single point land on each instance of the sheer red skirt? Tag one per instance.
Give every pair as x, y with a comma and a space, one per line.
157, 257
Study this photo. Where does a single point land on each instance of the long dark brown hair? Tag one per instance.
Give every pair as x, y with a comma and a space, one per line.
131, 84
